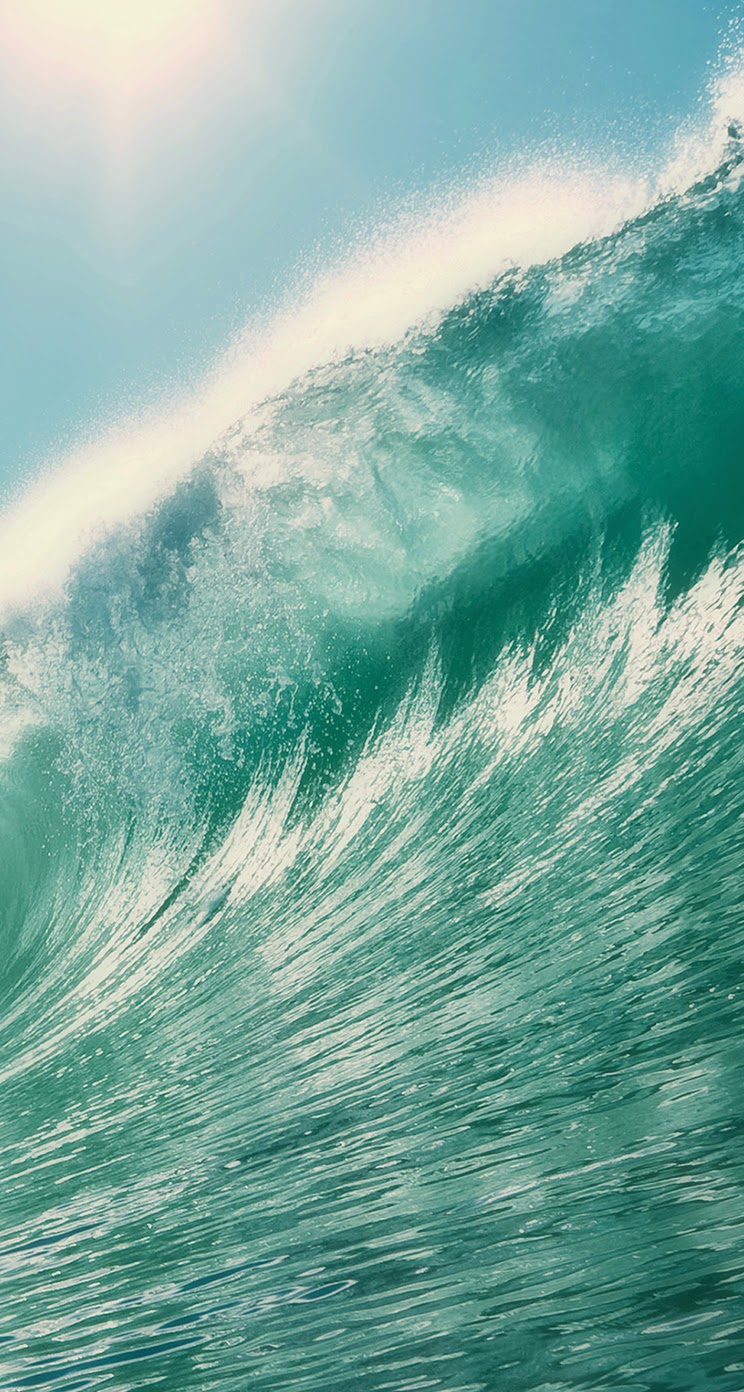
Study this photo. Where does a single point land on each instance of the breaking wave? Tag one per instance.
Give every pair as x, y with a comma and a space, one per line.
370, 827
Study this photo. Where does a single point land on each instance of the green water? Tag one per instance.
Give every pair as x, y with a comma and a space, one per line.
370, 878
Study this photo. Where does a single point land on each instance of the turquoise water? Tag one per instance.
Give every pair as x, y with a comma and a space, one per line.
370, 814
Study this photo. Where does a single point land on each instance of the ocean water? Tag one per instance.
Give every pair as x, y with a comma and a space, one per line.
371, 789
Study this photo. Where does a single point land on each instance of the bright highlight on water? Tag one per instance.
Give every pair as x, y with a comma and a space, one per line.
370, 829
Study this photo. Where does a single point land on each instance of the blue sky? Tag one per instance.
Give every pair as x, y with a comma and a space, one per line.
127, 263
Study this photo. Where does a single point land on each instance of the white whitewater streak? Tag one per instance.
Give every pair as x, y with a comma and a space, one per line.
405, 278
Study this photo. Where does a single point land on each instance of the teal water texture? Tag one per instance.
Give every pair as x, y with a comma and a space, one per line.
370, 818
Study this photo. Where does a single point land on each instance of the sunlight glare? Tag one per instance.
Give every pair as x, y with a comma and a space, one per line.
117, 48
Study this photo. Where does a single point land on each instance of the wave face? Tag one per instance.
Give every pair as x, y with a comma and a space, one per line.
370, 876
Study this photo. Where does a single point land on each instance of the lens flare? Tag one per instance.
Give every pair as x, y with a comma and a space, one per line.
119, 50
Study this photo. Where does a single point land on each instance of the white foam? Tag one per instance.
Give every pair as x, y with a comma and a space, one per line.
703, 142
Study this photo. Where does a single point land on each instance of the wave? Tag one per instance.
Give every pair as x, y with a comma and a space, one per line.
368, 825
402, 279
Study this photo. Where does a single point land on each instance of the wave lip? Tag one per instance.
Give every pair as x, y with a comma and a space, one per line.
403, 279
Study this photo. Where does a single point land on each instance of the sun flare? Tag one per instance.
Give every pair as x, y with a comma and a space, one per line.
117, 48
